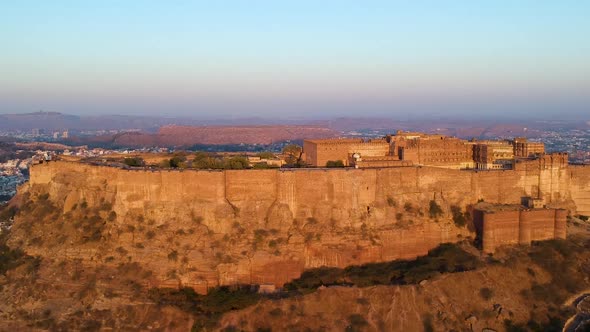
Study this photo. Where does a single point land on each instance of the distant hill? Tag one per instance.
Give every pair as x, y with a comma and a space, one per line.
189, 135
172, 130
59, 121
46, 120
453, 127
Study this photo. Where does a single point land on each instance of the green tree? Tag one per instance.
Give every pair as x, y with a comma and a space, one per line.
200, 155
134, 162
177, 161
205, 160
334, 163
237, 163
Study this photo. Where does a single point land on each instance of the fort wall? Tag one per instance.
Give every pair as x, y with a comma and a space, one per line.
308, 192
318, 217
521, 227
579, 187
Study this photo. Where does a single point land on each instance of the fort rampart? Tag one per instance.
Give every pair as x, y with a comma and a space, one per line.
316, 192
316, 217
498, 228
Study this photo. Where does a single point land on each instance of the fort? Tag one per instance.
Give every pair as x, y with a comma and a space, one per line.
410, 148
268, 226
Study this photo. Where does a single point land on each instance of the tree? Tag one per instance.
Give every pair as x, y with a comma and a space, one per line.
134, 162
334, 163
293, 154
200, 155
177, 161
237, 163
205, 160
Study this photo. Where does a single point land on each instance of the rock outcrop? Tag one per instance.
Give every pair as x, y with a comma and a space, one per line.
207, 228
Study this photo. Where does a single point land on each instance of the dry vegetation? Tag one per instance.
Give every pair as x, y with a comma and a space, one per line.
453, 287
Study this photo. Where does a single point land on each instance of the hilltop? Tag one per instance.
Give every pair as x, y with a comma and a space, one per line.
518, 289
94, 247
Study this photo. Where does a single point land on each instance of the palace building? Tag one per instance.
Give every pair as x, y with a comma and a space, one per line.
420, 149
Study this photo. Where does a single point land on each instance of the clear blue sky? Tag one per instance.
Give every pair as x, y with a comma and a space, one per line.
296, 58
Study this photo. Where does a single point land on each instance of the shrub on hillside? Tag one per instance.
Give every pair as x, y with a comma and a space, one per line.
408, 207
391, 202
7, 213
356, 322
486, 293
559, 258
434, 210
459, 218
10, 258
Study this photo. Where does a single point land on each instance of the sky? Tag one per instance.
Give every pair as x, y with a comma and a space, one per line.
315, 59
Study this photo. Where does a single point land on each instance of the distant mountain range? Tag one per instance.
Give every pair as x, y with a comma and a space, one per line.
183, 131
454, 126
59, 121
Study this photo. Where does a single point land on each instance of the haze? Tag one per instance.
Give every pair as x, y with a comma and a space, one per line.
296, 58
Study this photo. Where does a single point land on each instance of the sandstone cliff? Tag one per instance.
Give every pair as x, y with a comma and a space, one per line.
209, 228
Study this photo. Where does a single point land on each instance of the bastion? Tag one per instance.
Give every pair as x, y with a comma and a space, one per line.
509, 225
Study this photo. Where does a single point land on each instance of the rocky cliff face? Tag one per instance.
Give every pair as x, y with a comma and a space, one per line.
207, 228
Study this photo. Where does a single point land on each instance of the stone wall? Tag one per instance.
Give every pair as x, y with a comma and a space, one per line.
318, 217
312, 192
319, 152
579, 188
499, 228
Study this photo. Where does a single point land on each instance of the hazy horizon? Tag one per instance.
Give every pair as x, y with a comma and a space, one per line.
299, 59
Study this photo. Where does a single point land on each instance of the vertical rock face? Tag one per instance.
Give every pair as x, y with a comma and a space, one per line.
208, 228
